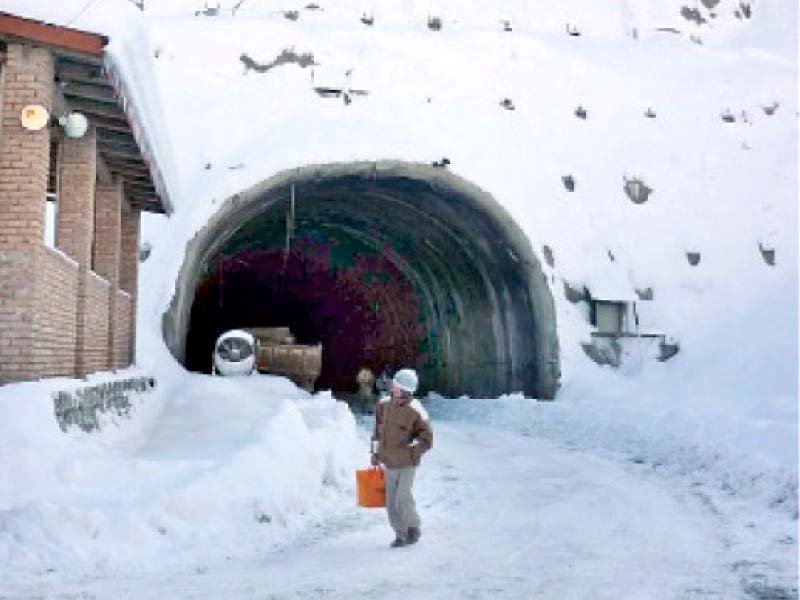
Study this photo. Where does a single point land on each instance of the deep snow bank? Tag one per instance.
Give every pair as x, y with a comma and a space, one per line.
726, 439
723, 414
204, 466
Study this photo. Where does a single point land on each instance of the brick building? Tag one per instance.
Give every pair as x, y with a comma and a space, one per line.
69, 206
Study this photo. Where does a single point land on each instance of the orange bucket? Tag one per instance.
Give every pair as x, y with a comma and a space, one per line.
370, 487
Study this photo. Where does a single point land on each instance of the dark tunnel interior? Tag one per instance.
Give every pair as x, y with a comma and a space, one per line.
334, 291
384, 273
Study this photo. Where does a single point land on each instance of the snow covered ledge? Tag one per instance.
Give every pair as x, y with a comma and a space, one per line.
486, 307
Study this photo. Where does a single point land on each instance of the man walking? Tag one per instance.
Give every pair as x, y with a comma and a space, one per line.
401, 436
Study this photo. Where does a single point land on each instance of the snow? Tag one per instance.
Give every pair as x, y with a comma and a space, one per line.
506, 514
50, 224
674, 479
199, 463
61, 254
746, 194
417, 406
99, 278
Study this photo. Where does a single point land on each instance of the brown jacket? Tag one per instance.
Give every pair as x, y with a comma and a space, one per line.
402, 431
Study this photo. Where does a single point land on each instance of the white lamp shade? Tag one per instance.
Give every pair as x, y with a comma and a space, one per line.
74, 124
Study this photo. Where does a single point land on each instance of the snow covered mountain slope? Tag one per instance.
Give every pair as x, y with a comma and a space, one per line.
722, 189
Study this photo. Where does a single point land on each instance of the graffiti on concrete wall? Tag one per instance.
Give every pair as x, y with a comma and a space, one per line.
84, 406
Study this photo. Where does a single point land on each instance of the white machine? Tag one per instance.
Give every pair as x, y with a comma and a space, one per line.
234, 353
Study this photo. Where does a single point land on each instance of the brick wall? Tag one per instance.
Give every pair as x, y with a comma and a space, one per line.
57, 317
55, 324
26, 77
123, 327
75, 227
96, 324
107, 224
129, 248
77, 173
17, 311
129, 265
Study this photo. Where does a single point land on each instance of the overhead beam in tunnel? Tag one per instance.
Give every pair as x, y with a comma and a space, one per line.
485, 308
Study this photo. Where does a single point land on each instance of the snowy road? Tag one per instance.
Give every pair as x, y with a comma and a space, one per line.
504, 516
512, 517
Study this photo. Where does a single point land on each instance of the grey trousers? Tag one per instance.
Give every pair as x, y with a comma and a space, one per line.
399, 501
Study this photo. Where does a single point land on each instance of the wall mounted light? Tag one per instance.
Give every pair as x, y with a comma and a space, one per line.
75, 124
34, 117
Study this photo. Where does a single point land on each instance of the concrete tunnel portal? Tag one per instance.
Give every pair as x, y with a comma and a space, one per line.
387, 265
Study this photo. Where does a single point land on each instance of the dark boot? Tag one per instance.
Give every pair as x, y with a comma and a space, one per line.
398, 543
413, 535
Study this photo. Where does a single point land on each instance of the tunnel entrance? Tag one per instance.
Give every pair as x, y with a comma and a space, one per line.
387, 265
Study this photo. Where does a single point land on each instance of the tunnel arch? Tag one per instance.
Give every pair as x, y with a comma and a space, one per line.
387, 264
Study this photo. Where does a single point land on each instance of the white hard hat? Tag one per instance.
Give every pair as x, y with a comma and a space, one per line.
406, 380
